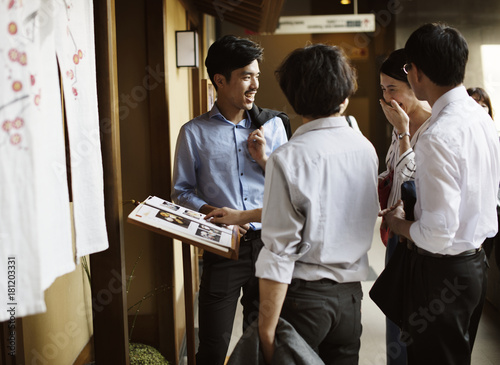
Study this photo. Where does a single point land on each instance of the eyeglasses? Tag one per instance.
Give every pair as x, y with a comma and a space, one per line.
406, 68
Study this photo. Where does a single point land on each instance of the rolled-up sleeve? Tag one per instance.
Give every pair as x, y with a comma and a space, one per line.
439, 197
282, 224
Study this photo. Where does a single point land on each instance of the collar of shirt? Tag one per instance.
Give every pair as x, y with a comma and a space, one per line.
321, 123
455, 94
216, 114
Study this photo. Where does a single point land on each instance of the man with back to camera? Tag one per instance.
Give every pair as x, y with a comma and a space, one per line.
320, 208
213, 168
456, 182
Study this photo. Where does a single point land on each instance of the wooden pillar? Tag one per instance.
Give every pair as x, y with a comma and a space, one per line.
189, 303
160, 175
12, 343
109, 301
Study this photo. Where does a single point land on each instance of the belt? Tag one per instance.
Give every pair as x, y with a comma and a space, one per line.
250, 235
411, 246
304, 282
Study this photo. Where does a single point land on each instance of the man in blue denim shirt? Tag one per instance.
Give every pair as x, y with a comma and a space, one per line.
213, 168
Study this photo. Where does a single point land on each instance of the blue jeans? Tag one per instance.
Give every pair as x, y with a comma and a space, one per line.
395, 348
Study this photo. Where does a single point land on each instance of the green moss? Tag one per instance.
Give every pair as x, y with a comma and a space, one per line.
145, 355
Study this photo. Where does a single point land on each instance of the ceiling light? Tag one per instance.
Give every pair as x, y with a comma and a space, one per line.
345, 2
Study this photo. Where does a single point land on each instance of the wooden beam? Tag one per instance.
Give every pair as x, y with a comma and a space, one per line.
109, 301
193, 13
189, 303
163, 250
87, 354
12, 343
255, 15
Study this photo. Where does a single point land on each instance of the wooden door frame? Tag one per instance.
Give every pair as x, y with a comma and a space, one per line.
109, 301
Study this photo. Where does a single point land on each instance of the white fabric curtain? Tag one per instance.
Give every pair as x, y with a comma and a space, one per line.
20, 264
35, 224
76, 56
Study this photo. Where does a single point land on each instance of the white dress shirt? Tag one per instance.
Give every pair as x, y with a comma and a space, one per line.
458, 161
320, 205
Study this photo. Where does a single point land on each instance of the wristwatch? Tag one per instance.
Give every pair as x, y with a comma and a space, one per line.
400, 136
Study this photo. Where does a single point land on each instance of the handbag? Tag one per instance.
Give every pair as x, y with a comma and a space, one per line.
390, 290
384, 189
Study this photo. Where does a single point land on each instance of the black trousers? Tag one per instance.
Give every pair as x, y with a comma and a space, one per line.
493, 244
221, 283
328, 317
443, 306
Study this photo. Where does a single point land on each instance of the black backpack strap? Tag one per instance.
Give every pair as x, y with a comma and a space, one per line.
286, 124
259, 116
348, 118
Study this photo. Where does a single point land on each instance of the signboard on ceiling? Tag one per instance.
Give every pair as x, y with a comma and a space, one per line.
310, 24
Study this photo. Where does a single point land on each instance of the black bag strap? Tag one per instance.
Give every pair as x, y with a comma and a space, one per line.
259, 116
348, 118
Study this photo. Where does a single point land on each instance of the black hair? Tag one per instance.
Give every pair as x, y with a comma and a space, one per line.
316, 80
393, 65
230, 53
440, 51
481, 95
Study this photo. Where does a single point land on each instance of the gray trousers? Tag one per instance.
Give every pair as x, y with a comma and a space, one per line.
328, 317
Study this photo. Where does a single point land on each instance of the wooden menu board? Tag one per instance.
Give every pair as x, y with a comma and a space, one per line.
189, 226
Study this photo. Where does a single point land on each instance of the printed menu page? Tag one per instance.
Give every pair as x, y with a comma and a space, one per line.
182, 222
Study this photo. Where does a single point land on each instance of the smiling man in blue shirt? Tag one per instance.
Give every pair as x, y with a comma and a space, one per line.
213, 168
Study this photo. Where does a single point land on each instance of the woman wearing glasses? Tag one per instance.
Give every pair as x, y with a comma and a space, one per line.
409, 118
